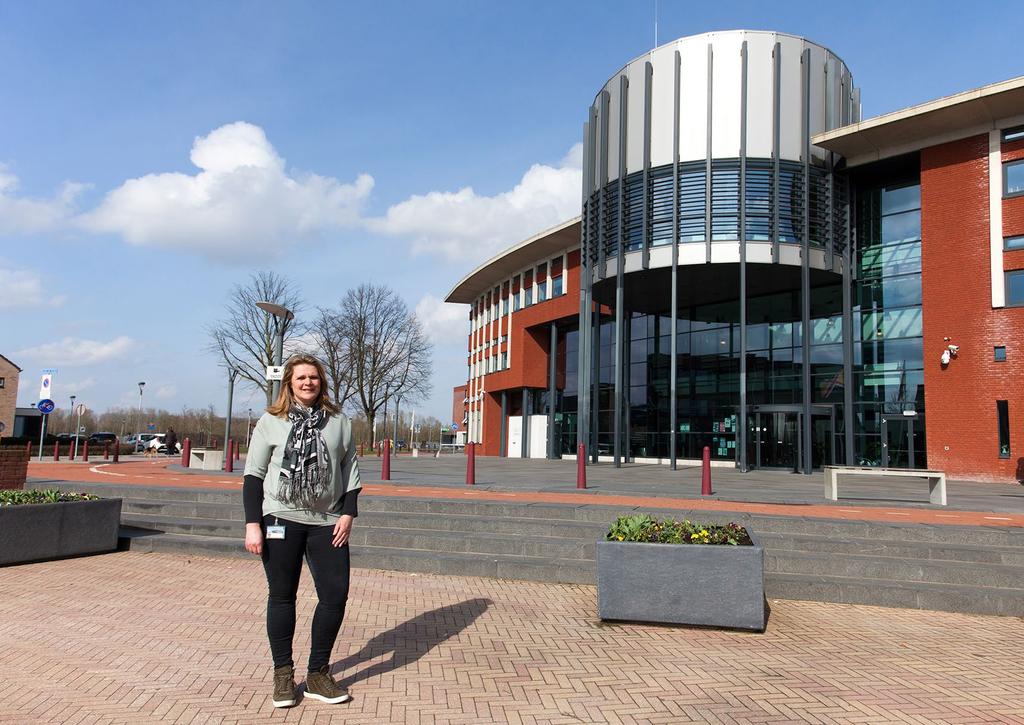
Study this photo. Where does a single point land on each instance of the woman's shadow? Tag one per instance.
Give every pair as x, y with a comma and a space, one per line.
411, 640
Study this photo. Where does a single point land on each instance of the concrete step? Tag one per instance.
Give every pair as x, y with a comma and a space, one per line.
487, 543
887, 568
184, 525
476, 523
187, 509
917, 550
882, 593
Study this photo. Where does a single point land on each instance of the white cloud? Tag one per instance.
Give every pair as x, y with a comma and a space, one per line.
24, 288
165, 392
22, 215
75, 387
73, 351
467, 227
242, 200
443, 322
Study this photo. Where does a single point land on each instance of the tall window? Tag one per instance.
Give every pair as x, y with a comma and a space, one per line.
527, 288
556, 277
1013, 178
1015, 288
1013, 134
1003, 415
516, 303
542, 282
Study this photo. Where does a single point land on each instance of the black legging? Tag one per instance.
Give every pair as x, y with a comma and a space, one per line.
329, 565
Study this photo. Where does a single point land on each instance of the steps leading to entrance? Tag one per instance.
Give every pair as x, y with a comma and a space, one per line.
965, 569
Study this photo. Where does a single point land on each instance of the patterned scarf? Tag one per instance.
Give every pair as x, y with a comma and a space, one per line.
304, 474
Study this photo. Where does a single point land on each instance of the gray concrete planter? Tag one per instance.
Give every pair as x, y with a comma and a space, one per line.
33, 532
711, 585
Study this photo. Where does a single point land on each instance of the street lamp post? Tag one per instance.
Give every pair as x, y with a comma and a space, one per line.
281, 315
248, 428
71, 416
138, 425
232, 374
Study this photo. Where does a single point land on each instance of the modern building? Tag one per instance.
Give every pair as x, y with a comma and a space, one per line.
760, 271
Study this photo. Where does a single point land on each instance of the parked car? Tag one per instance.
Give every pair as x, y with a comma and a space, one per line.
140, 442
101, 438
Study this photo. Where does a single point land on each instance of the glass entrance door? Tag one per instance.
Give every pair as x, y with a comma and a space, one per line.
774, 439
897, 441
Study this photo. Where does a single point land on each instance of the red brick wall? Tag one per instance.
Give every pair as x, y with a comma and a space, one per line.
13, 466
960, 400
8, 396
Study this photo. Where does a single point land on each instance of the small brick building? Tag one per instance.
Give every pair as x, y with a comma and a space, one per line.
9, 374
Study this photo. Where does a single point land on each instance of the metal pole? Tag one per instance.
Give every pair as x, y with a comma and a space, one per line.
227, 418
248, 428
741, 432
42, 437
673, 412
279, 355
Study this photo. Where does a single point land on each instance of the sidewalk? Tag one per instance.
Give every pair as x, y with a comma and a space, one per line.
897, 500
141, 638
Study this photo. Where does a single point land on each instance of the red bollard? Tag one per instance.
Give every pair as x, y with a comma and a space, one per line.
471, 464
117, 451
56, 451
186, 451
238, 452
229, 459
705, 473
581, 465
385, 468
106, 451
85, 450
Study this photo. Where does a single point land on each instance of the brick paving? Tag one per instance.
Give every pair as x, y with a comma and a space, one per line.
138, 638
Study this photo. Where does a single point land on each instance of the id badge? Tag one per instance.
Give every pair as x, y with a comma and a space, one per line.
275, 532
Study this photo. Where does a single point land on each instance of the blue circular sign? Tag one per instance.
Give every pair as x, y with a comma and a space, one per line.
45, 406
455, 426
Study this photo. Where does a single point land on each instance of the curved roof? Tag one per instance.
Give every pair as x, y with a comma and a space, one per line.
530, 251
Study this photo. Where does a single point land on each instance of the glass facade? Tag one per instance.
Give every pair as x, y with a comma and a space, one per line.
887, 363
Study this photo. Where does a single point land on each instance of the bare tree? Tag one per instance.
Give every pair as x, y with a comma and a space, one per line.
244, 339
389, 352
328, 333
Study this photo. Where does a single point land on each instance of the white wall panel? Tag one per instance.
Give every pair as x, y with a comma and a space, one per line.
759, 94
613, 128
790, 143
662, 97
693, 96
635, 114
817, 95
725, 92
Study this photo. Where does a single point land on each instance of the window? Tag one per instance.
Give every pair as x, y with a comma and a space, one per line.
2, 382
527, 289
1013, 178
1016, 242
1013, 134
1000, 353
1003, 414
504, 360
556, 286
1015, 288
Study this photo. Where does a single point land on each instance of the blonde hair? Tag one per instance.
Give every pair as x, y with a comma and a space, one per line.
286, 400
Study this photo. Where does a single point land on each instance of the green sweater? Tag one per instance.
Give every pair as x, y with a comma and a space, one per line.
266, 449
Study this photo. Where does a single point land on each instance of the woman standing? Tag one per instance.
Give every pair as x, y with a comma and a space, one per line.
300, 491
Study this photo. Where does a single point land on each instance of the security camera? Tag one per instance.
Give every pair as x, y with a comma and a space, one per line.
953, 350
945, 357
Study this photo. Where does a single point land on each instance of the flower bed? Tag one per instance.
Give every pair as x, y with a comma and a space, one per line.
713, 575
51, 524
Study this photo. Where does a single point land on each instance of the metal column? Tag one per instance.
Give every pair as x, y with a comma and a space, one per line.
525, 438
673, 413
805, 262
619, 271
848, 281
741, 433
595, 350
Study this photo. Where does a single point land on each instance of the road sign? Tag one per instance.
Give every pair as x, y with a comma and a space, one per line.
275, 372
45, 406
80, 409
417, 429
455, 426
150, 426
45, 386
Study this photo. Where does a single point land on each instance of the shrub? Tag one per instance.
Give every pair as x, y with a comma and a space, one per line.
50, 495
646, 529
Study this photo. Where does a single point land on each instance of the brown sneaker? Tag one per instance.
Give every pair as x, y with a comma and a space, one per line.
321, 686
284, 686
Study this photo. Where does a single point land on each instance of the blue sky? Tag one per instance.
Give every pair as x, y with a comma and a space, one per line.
152, 155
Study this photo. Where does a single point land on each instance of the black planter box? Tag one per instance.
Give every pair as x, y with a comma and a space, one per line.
701, 584
32, 532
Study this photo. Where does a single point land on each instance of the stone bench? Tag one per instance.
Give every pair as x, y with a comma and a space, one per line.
936, 479
206, 459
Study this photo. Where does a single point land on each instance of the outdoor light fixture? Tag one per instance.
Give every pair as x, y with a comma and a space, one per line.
279, 313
